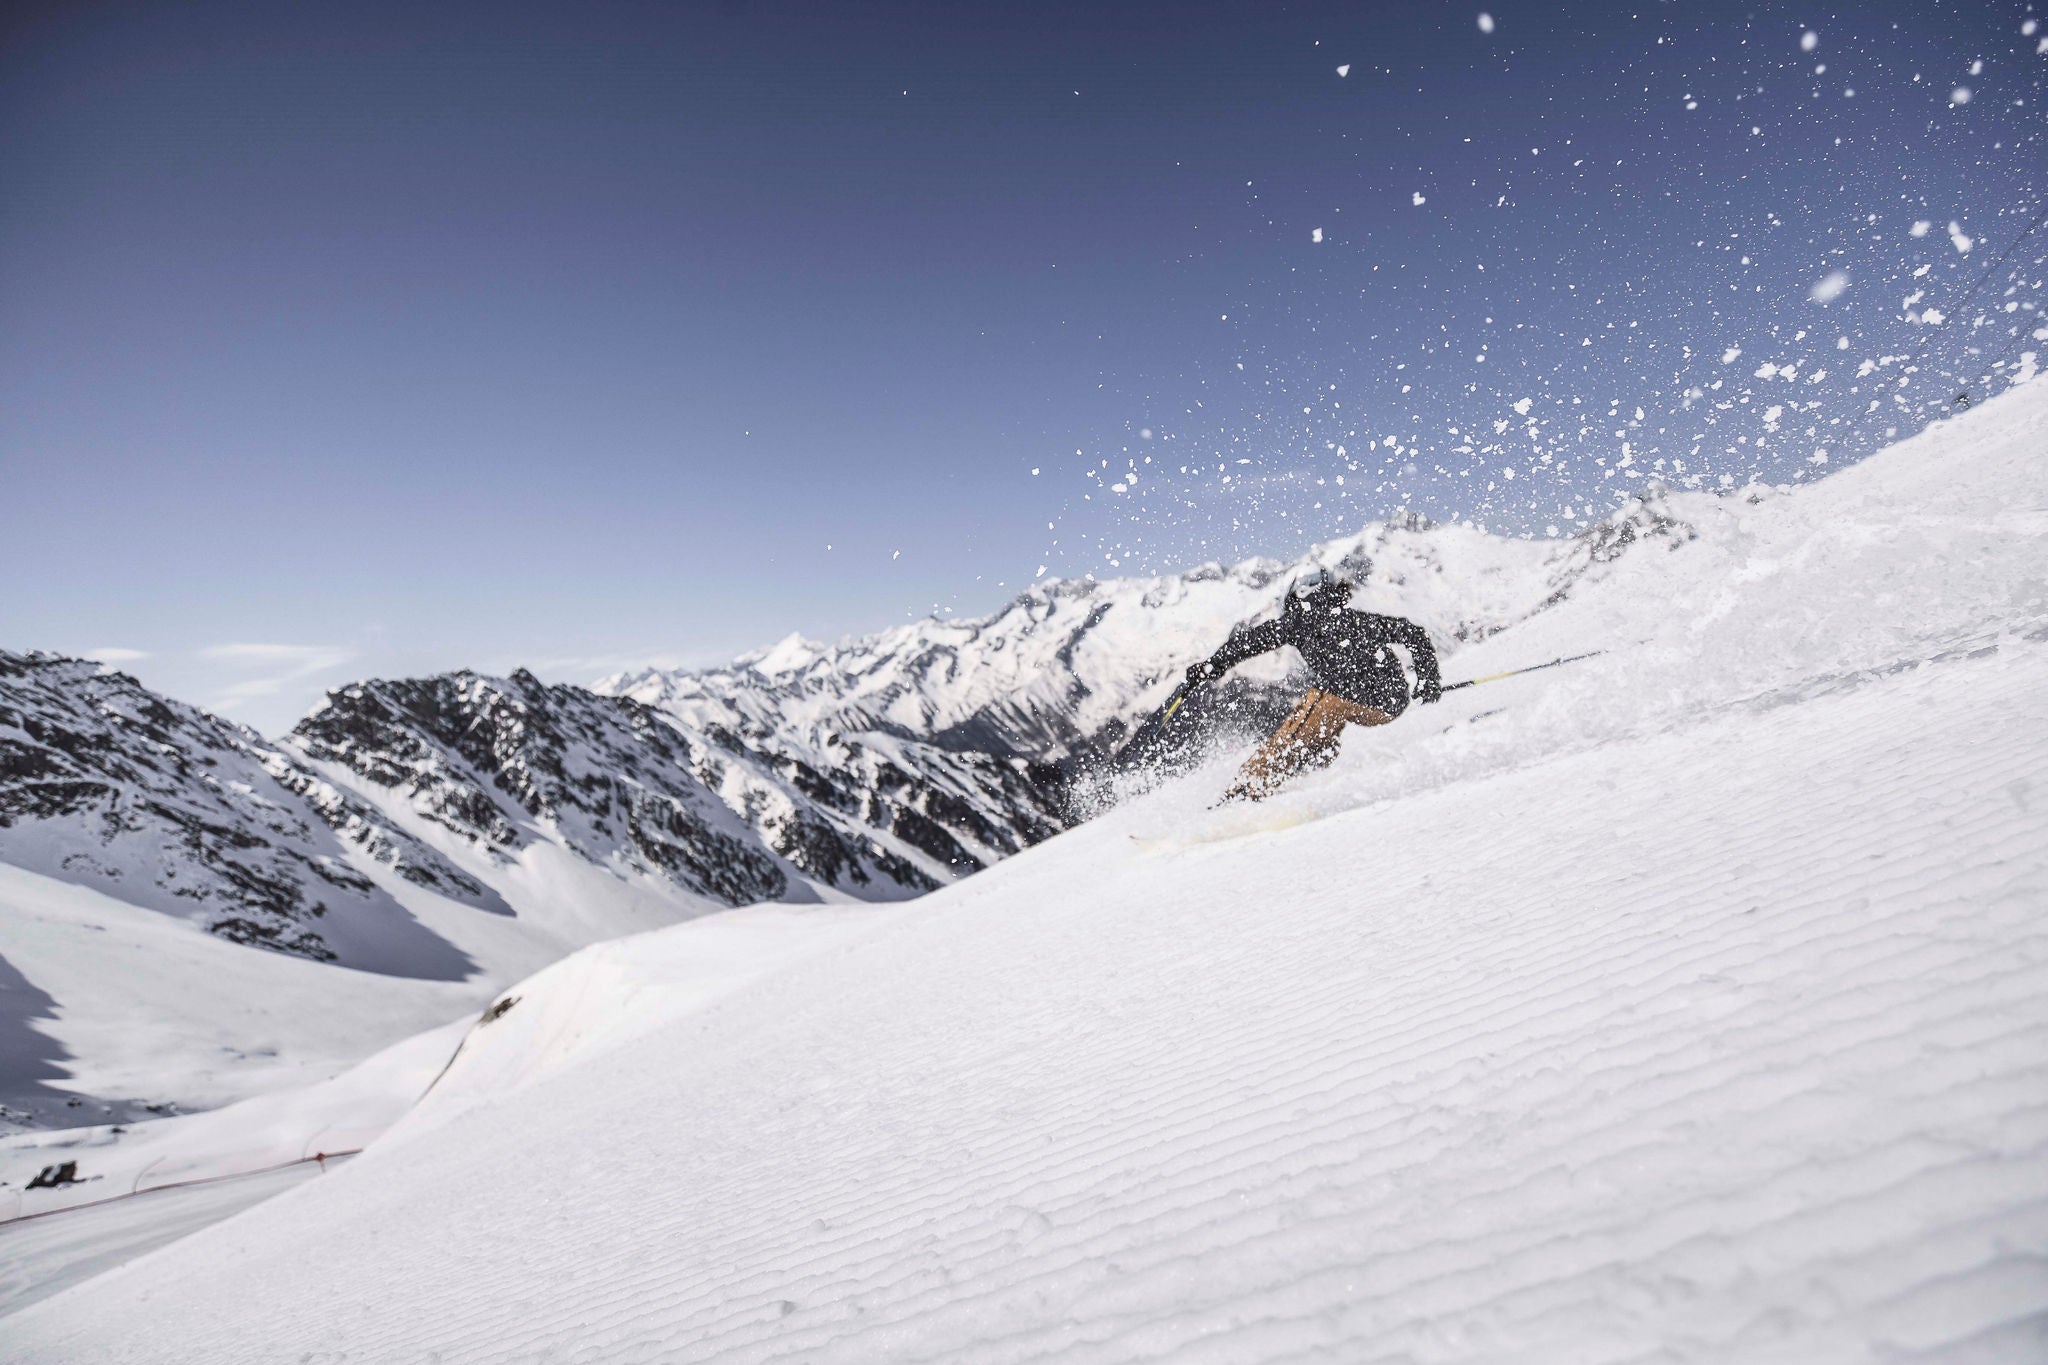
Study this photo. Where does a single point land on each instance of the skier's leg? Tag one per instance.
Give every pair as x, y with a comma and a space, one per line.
1308, 738
1273, 762
1326, 727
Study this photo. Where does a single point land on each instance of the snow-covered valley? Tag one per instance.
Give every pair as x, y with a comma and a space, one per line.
1690, 1002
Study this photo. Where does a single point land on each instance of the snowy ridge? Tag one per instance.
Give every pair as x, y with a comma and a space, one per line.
879, 816
1688, 1005
1069, 659
600, 777
104, 783
943, 735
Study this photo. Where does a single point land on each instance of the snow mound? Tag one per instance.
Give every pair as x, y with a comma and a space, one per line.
610, 995
602, 997
1690, 1006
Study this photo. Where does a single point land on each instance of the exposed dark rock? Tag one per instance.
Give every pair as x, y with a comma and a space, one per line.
497, 761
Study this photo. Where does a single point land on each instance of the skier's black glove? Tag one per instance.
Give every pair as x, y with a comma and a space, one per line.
1430, 690
1199, 674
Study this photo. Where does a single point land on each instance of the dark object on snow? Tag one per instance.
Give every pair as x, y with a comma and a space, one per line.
1348, 652
498, 1008
1962, 400
50, 1177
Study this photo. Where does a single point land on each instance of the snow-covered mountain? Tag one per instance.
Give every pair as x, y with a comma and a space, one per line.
106, 784
966, 718
877, 813
468, 829
423, 841
500, 763
1064, 665
1689, 1004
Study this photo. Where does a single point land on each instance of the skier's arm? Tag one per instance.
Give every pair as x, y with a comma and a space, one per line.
1429, 681
1242, 645
1396, 630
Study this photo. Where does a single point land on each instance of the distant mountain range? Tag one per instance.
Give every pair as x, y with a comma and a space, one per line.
395, 820
1066, 668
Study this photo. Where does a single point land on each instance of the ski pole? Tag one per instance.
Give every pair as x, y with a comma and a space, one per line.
1517, 672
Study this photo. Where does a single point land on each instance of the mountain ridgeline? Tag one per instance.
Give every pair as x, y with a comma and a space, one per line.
874, 769
106, 784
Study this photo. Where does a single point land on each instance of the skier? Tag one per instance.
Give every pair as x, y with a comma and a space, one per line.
1358, 679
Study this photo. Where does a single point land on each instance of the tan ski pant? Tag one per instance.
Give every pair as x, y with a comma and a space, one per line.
1306, 739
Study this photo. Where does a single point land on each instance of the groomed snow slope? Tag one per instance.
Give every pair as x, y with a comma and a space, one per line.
1691, 1004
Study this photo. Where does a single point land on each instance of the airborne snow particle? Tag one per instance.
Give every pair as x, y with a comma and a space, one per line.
1315, 234
1728, 356
1522, 406
1959, 95
1485, 22
1034, 471
1808, 41
1829, 287
897, 555
1419, 200
1959, 239
1344, 70
1919, 229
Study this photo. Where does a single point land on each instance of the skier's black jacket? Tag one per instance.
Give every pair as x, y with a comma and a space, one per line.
1346, 652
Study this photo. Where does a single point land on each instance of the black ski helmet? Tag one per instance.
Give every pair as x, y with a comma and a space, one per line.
1319, 588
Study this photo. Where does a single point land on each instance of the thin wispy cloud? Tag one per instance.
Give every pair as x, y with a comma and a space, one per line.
307, 657
114, 654
273, 668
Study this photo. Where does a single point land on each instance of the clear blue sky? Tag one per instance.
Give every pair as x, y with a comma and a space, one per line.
351, 340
